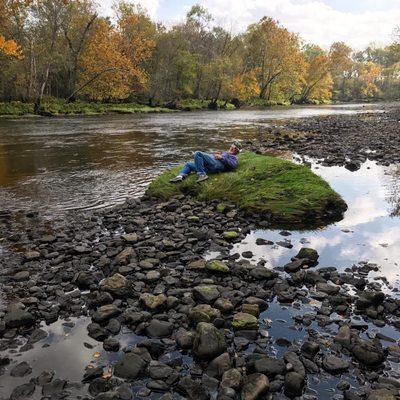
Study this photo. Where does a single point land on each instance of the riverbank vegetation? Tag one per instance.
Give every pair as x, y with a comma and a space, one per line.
67, 50
291, 193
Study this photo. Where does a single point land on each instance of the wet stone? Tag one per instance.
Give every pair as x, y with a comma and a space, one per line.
254, 386
21, 369
206, 293
209, 342
130, 366
23, 391
217, 266
157, 328
334, 365
244, 321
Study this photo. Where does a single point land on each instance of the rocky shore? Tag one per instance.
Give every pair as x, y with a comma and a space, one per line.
347, 140
200, 314
141, 267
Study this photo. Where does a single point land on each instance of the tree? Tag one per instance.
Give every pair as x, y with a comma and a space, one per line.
274, 53
112, 62
341, 68
317, 80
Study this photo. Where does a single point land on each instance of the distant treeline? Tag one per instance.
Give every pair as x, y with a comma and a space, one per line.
65, 49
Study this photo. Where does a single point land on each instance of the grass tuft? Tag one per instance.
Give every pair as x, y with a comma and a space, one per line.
292, 194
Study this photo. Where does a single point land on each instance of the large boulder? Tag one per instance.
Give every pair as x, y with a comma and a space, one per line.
209, 342
310, 255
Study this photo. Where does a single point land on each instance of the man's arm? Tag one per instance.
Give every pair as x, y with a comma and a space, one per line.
229, 160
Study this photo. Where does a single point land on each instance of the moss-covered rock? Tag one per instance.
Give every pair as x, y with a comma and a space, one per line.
244, 321
217, 266
289, 193
230, 235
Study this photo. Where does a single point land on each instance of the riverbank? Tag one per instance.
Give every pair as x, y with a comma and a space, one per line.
57, 107
178, 298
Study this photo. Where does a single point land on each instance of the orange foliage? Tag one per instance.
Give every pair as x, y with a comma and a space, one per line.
111, 61
9, 48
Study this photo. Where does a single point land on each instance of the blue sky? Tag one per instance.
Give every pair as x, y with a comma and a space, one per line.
358, 22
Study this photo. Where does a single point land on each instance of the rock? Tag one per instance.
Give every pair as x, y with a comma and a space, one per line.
206, 293
343, 336
327, 288
21, 276
116, 285
152, 276
104, 313
24, 391
125, 255
231, 379
157, 329
334, 365
262, 273
92, 373
247, 254
209, 342
263, 242
158, 370
294, 383
230, 235
96, 332
31, 255
219, 366
269, 366
367, 353
217, 266
224, 305
84, 280
184, 339
152, 302
203, 313
130, 237
111, 344
310, 349
252, 309
294, 266
244, 321
191, 389
308, 254
197, 265
254, 386
16, 316
369, 298
383, 394
21, 369
130, 366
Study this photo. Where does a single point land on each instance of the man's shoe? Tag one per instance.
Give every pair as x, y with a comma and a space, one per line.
202, 178
178, 178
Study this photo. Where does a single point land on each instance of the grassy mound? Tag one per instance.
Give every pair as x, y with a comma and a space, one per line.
291, 194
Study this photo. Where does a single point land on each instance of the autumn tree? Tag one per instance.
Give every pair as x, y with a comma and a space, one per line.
274, 53
112, 62
317, 81
341, 68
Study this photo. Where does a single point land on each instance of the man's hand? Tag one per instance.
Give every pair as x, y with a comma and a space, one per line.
218, 155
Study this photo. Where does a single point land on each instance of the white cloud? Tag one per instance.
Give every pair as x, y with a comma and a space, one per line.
315, 21
150, 5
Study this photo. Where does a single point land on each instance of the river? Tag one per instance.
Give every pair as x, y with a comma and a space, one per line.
59, 164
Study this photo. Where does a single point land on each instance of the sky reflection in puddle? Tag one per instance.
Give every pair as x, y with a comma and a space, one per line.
370, 230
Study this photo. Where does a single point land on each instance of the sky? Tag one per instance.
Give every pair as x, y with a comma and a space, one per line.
356, 22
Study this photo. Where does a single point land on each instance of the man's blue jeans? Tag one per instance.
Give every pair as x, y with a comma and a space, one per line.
203, 164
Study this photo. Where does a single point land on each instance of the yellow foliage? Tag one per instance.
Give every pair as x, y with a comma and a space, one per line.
9, 48
112, 60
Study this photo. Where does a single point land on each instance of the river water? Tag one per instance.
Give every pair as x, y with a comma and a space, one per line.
54, 165
60, 164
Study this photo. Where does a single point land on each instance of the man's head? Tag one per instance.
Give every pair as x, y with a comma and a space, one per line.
235, 148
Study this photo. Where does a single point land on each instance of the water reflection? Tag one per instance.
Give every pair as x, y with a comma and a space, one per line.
89, 162
370, 230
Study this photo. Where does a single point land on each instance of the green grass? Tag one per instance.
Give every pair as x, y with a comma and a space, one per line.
61, 107
291, 193
197, 104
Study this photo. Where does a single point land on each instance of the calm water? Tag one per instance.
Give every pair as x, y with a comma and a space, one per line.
60, 164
